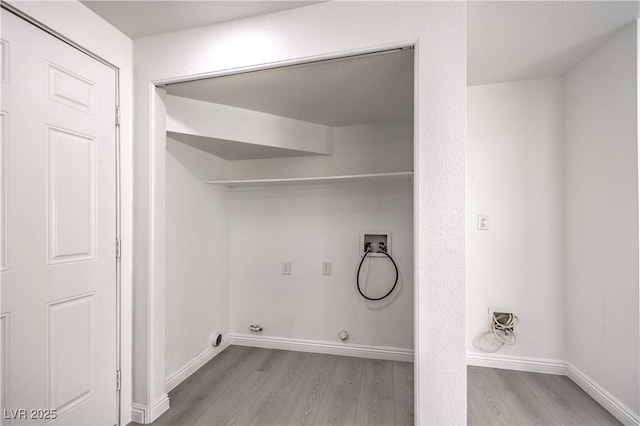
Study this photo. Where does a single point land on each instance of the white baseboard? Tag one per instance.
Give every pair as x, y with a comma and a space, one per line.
533, 365
323, 347
143, 415
613, 405
159, 408
548, 366
138, 413
180, 375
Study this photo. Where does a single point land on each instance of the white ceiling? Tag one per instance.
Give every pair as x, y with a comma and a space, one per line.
507, 41
148, 17
514, 40
373, 88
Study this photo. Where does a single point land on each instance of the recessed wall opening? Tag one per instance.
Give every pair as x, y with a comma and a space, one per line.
273, 178
552, 157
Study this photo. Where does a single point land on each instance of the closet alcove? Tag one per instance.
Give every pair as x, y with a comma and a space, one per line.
290, 165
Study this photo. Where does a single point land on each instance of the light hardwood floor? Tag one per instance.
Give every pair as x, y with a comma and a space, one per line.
504, 397
254, 386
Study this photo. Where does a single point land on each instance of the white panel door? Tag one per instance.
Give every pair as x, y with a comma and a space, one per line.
58, 231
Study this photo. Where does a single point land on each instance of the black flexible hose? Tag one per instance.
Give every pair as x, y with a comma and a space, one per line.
395, 283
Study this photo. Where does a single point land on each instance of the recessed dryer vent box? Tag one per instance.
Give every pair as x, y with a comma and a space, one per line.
375, 238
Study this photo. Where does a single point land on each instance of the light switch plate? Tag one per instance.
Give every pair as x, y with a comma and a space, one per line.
326, 267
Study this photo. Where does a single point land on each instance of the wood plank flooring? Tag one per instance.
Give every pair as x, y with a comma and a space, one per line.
505, 397
255, 386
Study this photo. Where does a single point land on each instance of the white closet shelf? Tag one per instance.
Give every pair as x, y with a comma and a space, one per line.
408, 175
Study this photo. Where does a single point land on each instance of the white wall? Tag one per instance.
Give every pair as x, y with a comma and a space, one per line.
78, 23
308, 225
515, 175
438, 31
601, 217
305, 227
197, 253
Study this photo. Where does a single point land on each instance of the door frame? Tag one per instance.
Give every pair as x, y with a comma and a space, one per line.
118, 183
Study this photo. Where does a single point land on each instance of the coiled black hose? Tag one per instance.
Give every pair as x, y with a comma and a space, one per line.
395, 283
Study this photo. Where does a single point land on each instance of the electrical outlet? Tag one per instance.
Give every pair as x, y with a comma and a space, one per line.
286, 268
483, 222
326, 267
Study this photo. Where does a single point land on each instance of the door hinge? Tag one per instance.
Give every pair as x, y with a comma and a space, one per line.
117, 116
118, 379
118, 249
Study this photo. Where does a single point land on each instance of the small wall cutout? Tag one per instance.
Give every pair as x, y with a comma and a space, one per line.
375, 239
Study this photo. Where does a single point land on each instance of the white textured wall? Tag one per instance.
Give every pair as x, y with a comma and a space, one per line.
197, 253
515, 175
331, 28
601, 216
307, 225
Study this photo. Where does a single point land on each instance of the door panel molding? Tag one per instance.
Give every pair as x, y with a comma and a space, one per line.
5, 368
5, 239
78, 312
70, 89
71, 225
5, 58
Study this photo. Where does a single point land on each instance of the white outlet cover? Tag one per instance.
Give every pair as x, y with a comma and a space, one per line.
483, 222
